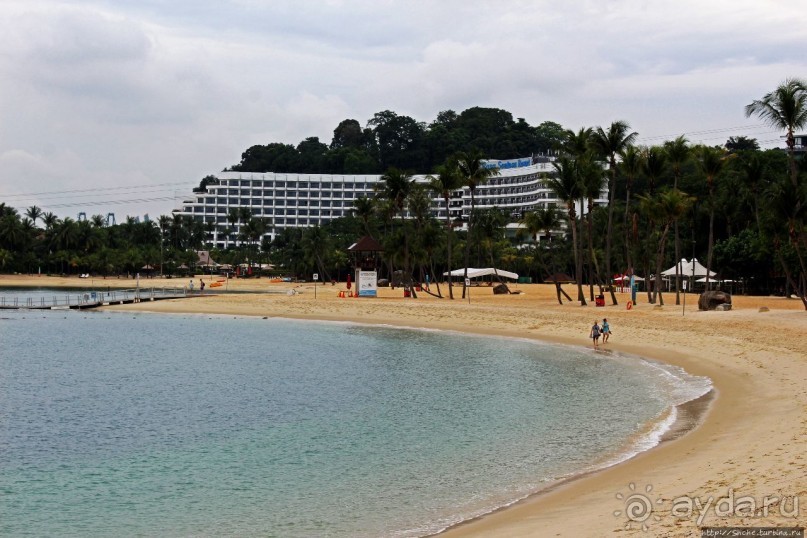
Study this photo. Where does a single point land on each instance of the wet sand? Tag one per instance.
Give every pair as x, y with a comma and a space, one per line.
752, 432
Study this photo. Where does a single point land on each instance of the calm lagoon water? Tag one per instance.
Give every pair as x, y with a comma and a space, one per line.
142, 424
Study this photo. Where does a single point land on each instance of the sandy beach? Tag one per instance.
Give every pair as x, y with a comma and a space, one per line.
748, 447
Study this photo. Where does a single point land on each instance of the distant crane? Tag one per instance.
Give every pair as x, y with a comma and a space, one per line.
82, 216
110, 217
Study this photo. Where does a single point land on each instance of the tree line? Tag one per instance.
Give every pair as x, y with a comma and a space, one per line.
738, 209
390, 140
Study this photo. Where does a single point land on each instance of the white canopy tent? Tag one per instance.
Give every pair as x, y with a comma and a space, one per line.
686, 268
475, 273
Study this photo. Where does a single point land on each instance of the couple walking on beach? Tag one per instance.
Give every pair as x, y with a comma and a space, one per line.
597, 330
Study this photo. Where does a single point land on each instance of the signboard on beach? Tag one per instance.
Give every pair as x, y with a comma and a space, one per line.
367, 283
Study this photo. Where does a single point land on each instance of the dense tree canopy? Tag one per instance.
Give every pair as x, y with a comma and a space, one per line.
393, 140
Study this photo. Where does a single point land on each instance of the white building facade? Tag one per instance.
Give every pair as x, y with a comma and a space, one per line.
303, 200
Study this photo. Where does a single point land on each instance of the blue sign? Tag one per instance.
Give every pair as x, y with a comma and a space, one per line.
510, 163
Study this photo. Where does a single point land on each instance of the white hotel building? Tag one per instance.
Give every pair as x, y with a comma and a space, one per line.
302, 200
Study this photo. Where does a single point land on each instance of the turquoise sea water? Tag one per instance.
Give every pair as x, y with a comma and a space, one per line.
142, 424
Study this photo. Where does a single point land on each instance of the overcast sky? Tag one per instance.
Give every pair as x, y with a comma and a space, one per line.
134, 101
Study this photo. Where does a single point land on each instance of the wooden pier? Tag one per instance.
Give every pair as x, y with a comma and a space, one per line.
95, 298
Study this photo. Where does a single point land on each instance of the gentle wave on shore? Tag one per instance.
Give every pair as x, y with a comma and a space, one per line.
207, 425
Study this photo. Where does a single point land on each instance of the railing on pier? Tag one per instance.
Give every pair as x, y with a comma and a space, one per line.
89, 299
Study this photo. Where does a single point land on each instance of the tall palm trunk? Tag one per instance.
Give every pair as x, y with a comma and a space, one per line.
677, 261
578, 261
610, 230
448, 253
659, 265
628, 257
711, 235
468, 242
592, 255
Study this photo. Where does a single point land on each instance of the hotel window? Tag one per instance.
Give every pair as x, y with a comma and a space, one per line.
280, 194
280, 211
291, 212
280, 221
315, 184
303, 185
279, 202
326, 185
326, 194
221, 210
314, 212
268, 211
269, 184
291, 194
302, 212
221, 201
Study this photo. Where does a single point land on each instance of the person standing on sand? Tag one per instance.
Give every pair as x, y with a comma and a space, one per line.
201, 285
606, 331
595, 334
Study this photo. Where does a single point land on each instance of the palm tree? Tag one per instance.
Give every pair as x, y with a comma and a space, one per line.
540, 220
11, 232
655, 163
489, 228
567, 188
785, 108
98, 221
474, 173
49, 220
591, 184
364, 208
33, 213
577, 144
678, 152
780, 209
666, 207
632, 165
447, 181
609, 144
233, 216
315, 242
419, 204
543, 220
396, 187
753, 171
711, 162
